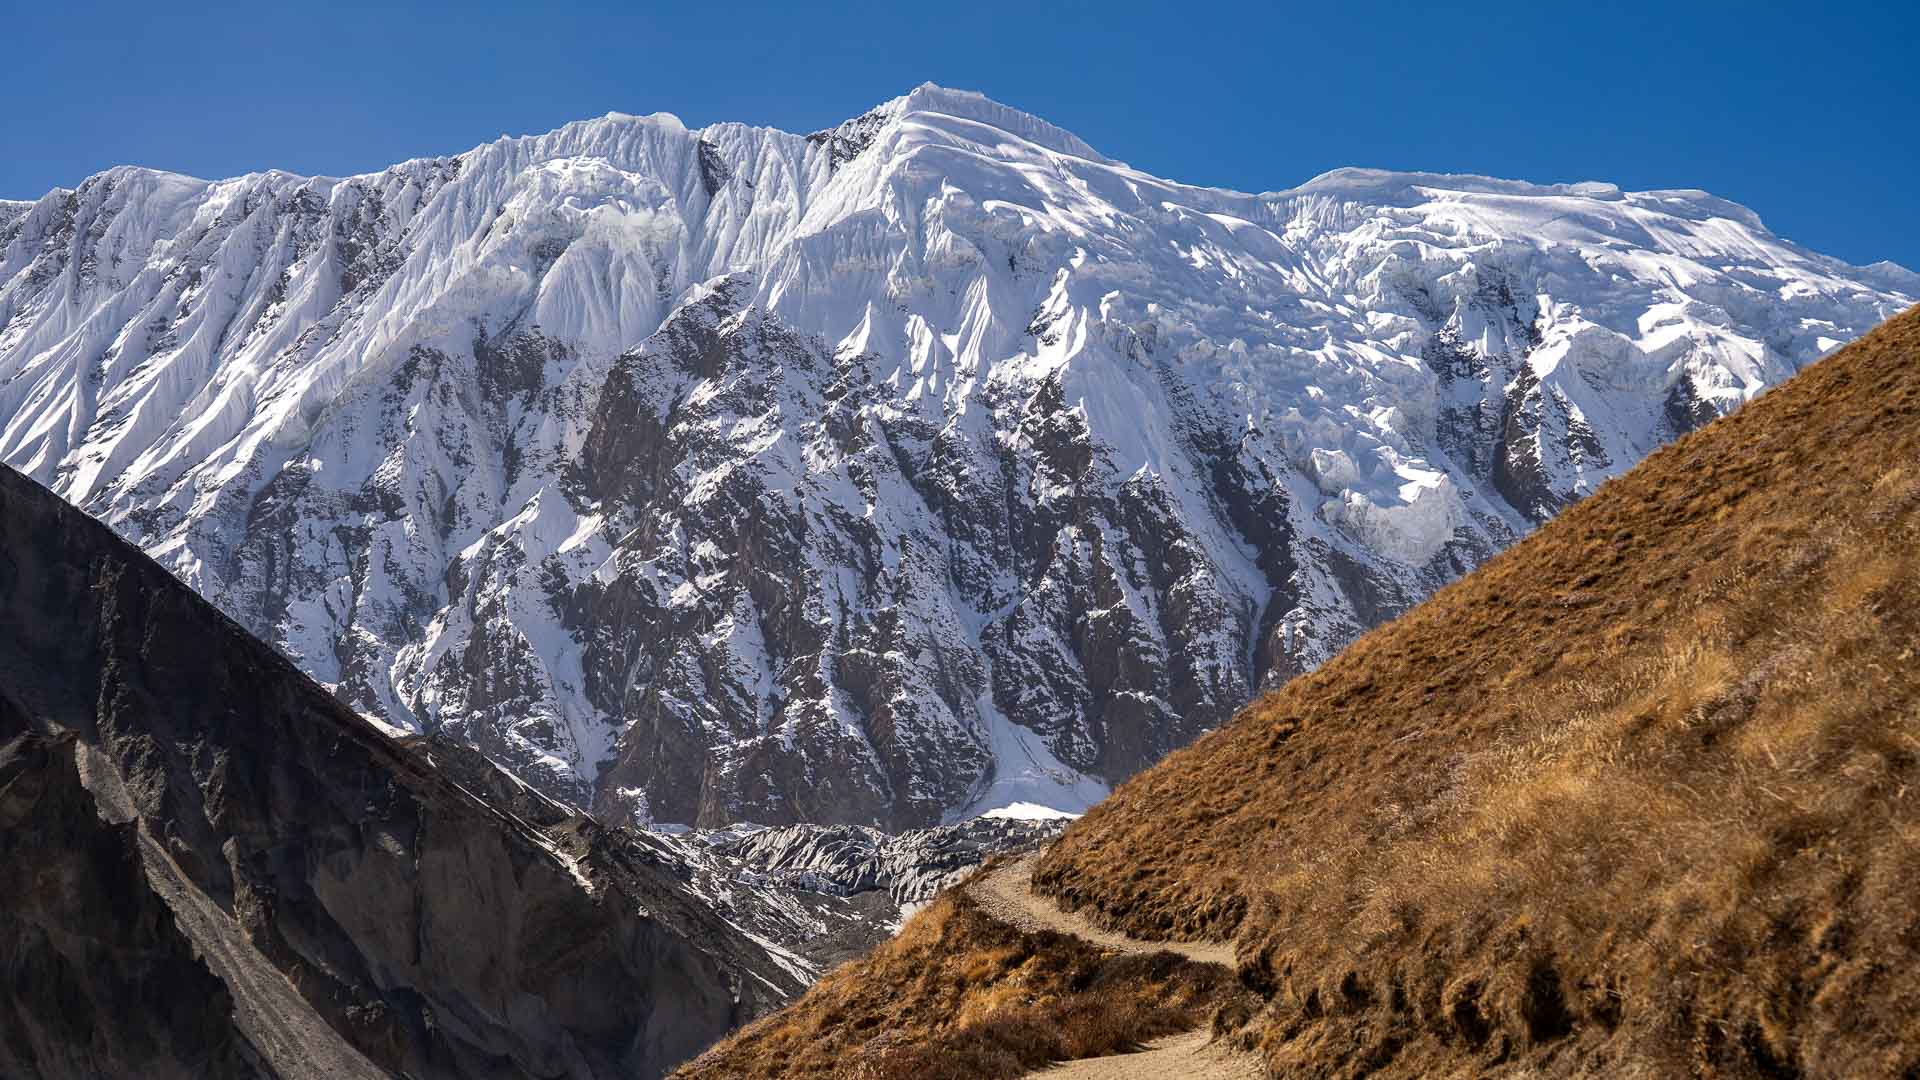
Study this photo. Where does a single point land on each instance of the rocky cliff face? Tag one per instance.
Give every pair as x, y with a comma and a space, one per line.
216, 869
930, 464
78, 904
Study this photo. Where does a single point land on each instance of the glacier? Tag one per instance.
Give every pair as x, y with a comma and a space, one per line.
929, 465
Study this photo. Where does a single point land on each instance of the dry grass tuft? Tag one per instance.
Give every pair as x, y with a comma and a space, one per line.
1641, 797
957, 994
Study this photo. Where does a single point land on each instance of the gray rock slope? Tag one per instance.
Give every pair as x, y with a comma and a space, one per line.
213, 868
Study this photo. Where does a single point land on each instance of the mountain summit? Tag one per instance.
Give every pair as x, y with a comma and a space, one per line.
926, 465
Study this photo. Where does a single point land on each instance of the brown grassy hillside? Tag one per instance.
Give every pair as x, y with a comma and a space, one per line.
1641, 797
958, 995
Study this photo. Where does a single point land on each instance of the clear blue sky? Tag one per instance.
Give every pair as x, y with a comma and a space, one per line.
1809, 113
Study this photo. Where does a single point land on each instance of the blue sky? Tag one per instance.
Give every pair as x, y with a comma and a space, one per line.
1808, 113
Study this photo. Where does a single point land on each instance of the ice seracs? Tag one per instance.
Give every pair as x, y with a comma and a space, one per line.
925, 465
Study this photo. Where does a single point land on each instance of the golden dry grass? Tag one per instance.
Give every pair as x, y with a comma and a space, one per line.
1639, 797
957, 994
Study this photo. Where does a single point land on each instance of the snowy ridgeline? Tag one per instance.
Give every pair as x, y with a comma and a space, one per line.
887, 475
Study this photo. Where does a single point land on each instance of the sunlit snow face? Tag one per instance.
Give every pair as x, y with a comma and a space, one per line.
932, 447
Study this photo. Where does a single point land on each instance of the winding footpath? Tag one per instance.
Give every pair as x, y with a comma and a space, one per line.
1007, 895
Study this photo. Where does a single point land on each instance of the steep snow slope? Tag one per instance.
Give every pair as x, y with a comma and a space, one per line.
883, 475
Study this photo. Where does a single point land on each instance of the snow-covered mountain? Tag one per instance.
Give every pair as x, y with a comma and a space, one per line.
888, 474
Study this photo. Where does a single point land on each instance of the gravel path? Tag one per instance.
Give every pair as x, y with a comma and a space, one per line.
1007, 895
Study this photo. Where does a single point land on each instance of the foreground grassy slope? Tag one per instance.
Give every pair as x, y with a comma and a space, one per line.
1639, 797
959, 995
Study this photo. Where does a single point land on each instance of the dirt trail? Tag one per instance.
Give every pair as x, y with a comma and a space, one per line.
1007, 895
1176, 1057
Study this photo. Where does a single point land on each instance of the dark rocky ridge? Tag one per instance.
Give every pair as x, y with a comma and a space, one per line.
207, 847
